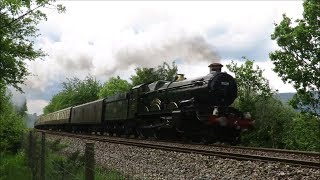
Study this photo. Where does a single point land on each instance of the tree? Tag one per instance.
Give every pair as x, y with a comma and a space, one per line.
18, 21
114, 86
11, 124
162, 72
303, 133
272, 118
74, 92
251, 84
298, 60
165, 72
256, 96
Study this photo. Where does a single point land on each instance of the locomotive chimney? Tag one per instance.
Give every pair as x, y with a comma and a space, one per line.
180, 77
215, 67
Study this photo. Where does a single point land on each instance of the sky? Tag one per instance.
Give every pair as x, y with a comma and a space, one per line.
110, 38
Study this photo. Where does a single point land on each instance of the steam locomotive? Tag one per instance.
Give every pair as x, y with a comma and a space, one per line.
197, 109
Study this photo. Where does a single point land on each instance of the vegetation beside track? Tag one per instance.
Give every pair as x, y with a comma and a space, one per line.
278, 125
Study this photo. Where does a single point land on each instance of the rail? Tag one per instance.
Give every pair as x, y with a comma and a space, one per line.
219, 153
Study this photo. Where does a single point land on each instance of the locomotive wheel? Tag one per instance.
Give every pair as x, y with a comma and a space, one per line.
127, 131
235, 141
135, 133
208, 140
127, 134
156, 133
117, 134
185, 139
143, 134
196, 138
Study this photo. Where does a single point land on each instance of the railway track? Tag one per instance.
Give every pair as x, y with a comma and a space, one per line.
234, 152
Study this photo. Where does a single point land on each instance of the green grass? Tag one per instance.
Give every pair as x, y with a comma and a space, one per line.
101, 174
57, 166
14, 167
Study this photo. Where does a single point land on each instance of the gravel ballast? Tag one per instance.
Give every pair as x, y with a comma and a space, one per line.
149, 163
302, 157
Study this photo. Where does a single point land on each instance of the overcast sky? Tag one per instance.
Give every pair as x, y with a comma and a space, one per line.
105, 39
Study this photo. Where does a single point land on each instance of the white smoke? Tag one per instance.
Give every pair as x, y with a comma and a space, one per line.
17, 98
74, 61
192, 50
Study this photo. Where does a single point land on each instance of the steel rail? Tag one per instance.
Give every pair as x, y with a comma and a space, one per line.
296, 152
237, 156
308, 153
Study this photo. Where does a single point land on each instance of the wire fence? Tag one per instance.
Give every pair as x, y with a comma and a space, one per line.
48, 161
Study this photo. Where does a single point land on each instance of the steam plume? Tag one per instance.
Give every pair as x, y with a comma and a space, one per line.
190, 49
74, 61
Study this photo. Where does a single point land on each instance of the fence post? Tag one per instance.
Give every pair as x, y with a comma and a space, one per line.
89, 161
31, 155
43, 156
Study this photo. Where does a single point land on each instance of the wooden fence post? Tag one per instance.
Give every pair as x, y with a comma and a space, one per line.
89, 161
31, 154
43, 156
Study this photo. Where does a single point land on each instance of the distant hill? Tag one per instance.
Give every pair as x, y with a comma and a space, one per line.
285, 97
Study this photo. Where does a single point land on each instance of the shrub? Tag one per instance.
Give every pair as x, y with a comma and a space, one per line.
303, 133
12, 125
271, 118
14, 167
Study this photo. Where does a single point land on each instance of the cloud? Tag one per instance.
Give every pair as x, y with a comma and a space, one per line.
17, 98
275, 81
113, 38
74, 61
36, 105
201, 69
192, 49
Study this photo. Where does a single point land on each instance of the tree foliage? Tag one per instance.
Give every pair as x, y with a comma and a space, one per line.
114, 86
77, 92
18, 21
255, 96
303, 133
74, 92
272, 118
162, 72
251, 84
11, 124
298, 60
277, 125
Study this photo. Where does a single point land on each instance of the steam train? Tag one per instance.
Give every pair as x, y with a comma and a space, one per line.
197, 109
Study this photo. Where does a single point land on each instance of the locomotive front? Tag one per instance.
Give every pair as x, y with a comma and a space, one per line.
198, 107
223, 91
211, 104
218, 88
222, 87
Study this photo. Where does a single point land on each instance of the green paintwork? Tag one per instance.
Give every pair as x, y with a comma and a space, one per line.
116, 107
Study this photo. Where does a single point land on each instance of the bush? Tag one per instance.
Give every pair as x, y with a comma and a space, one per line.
11, 132
74, 92
14, 167
12, 125
114, 86
303, 133
271, 118
61, 164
